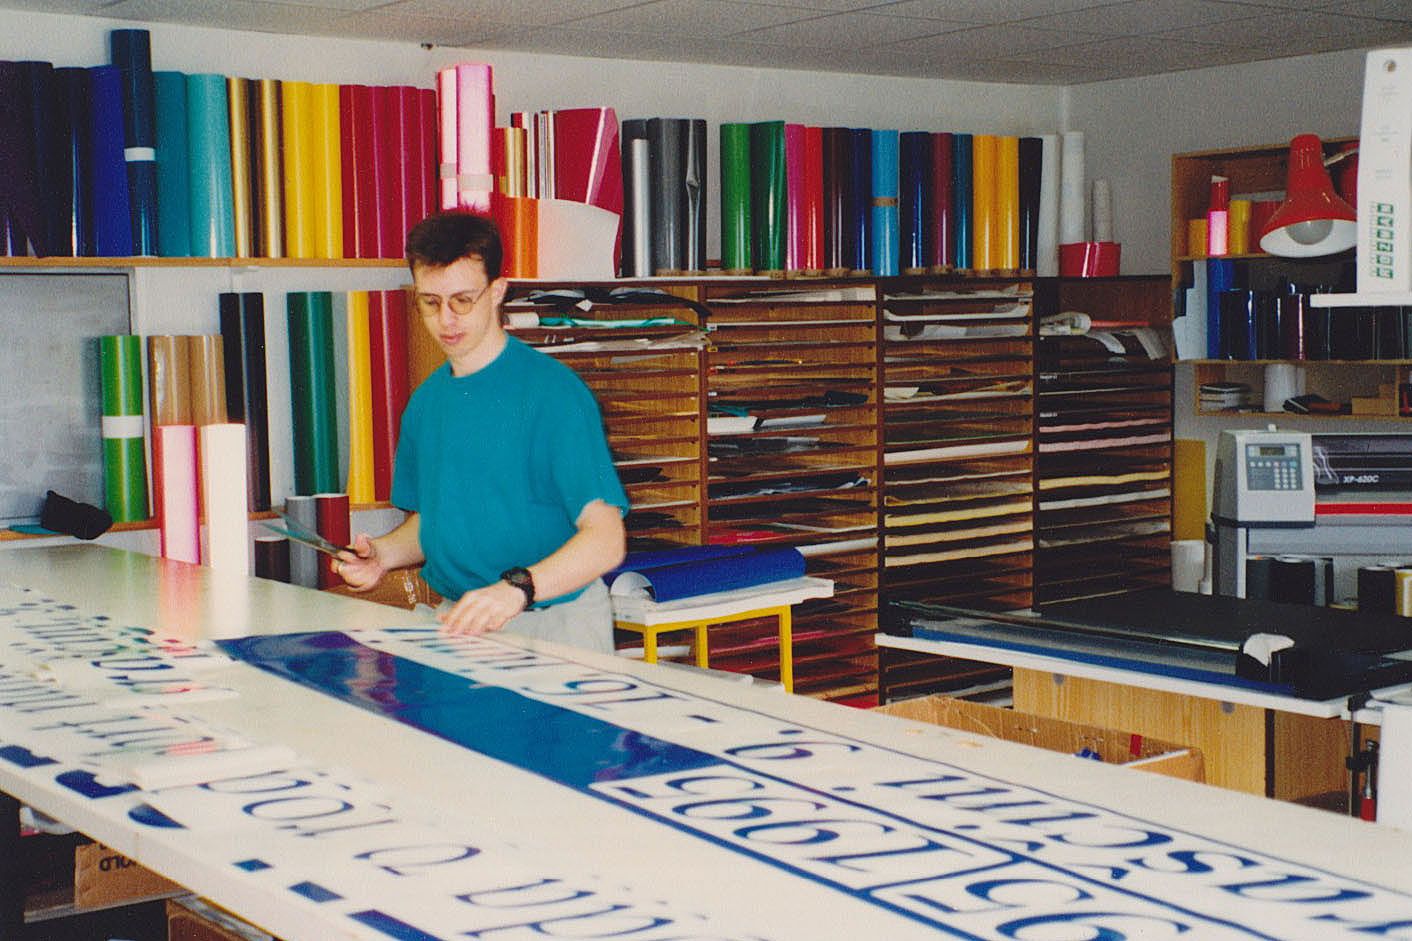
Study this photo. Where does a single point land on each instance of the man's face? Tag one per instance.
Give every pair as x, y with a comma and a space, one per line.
457, 305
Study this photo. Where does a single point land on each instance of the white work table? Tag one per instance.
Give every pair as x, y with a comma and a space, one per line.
592, 796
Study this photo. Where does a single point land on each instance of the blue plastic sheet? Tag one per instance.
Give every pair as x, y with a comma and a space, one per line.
701, 570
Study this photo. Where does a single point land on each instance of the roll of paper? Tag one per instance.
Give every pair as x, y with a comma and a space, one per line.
1102, 211
1073, 201
446, 117
124, 458
223, 498
175, 484
1047, 240
1281, 383
1188, 564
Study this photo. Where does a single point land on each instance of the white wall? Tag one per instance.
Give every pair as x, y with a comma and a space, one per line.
1132, 127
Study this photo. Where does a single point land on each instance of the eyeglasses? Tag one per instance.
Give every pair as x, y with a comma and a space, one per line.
461, 304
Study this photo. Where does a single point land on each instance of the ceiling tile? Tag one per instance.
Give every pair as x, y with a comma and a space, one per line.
1120, 54
1136, 17
696, 20
984, 11
538, 13
990, 42
256, 15
437, 30
1377, 9
847, 31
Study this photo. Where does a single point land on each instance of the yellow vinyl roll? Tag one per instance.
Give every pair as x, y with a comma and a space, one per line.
299, 225
208, 380
1007, 203
328, 172
1402, 596
1188, 488
984, 238
169, 379
1239, 237
241, 184
1196, 237
360, 402
269, 168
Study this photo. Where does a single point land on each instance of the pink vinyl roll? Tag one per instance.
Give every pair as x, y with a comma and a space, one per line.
223, 498
796, 227
178, 519
475, 124
447, 196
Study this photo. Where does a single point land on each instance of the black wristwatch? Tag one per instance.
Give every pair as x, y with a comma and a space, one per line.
521, 578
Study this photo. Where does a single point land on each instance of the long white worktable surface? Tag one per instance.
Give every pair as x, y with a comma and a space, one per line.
491, 788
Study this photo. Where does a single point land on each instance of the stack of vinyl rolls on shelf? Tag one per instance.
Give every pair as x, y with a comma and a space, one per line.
1386, 587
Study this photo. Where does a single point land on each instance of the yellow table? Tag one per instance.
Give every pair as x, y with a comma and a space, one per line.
651, 619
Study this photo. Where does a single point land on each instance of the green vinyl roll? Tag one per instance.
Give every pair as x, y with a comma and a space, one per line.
124, 460
767, 195
735, 197
312, 394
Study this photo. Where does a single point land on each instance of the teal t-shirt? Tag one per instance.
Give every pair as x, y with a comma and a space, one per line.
499, 464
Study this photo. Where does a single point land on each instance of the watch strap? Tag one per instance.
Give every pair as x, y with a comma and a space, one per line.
520, 578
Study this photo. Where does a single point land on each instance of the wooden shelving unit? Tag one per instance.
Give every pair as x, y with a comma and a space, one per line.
1336, 380
793, 393
1103, 469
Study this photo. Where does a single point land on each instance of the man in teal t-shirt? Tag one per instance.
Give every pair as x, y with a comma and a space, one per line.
514, 504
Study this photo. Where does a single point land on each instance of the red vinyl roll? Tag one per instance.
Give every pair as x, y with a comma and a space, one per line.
412, 209
389, 161
588, 166
428, 167
331, 511
943, 244
366, 190
348, 151
813, 199
387, 352
794, 197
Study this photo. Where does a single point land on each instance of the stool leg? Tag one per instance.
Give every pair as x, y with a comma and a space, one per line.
785, 614
703, 653
649, 646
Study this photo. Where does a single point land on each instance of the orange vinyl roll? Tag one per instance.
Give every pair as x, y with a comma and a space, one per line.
208, 380
984, 238
241, 165
1007, 203
424, 355
169, 379
326, 165
299, 208
526, 245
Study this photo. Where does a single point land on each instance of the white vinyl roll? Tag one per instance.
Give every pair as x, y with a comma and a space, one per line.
177, 511
1102, 211
223, 497
1073, 195
1282, 381
1047, 248
1188, 564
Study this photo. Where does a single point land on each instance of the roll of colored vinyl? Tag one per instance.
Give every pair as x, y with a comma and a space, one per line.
914, 205
124, 458
1047, 240
268, 174
1402, 599
173, 174
637, 206
32, 154
1007, 203
860, 203
303, 560
985, 235
327, 164
223, 499
311, 368
1031, 173
736, 225
272, 558
885, 223
169, 379
961, 153
360, 402
243, 343
175, 487
1294, 579
387, 346
667, 138
331, 512
131, 53
297, 125
208, 158
1377, 588
694, 211
942, 213
813, 200
1259, 575
238, 93
208, 380
107, 181
767, 195
794, 197
73, 211
836, 208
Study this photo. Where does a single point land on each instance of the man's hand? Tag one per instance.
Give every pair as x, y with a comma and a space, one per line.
483, 610
362, 568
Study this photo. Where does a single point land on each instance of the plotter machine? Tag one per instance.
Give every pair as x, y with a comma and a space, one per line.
1330, 502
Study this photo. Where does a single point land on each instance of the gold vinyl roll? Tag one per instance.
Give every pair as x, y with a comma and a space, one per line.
269, 168
1196, 237
169, 379
1402, 599
1189, 511
327, 169
299, 225
242, 186
1007, 203
208, 380
424, 355
1239, 236
984, 237
512, 181
360, 401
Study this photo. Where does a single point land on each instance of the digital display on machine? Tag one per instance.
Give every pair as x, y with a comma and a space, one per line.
1273, 467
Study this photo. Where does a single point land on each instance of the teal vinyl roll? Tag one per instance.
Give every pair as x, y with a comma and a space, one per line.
312, 395
735, 197
886, 222
767, 195
124, 458
961, 198
173, 174
208, 160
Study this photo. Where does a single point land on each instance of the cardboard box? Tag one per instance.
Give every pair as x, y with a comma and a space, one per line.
194, 919
103, 877
400, 588
1112, 746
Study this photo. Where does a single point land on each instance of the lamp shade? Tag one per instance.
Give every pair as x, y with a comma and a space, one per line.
1313, 220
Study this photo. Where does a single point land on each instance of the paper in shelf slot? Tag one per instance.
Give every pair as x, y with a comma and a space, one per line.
730, 424
669, 574
861, 293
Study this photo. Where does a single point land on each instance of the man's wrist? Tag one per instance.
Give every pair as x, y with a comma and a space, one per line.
520, 578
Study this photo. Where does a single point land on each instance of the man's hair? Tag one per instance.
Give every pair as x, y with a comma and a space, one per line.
444, 238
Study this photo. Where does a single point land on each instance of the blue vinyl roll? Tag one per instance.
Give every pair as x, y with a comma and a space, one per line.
131, 52
885, 249
208, 162
705, 570
917, 226
1220, 277
107, 177
70, 205
961, 198
173, 173
861, 140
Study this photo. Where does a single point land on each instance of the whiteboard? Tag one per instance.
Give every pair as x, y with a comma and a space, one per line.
50, 399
